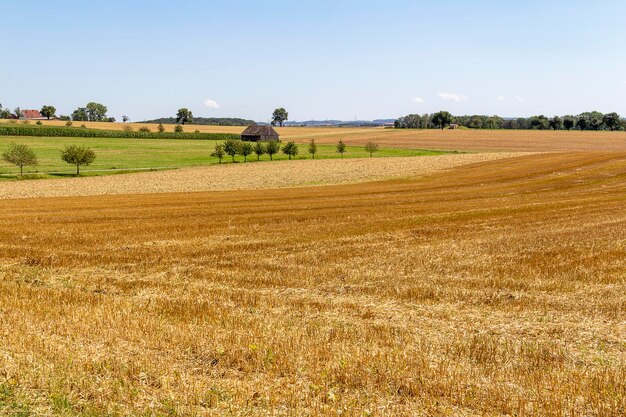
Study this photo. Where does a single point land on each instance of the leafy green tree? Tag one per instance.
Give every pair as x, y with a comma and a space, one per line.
18, 113
370, 148
245, 149
555, 123
125, 118
183, 116
80, 115
290, 149
231, 147
259, 150
161, 128
97, 112
612, 121
582, 123
78, 155
595, 123
569, 122
272, 148
20, 156
178, 129
341, 147
442, 119
540, 122
312, 148
218, 152
48, 111
280, 116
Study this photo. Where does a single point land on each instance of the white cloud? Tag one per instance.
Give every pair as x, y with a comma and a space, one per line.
417, 100
457, 98
520, 99
212, 104
623, 81
501, 98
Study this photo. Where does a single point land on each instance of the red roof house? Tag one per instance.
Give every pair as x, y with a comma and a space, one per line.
32, 115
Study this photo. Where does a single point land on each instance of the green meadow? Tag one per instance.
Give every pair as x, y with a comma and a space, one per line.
127, 155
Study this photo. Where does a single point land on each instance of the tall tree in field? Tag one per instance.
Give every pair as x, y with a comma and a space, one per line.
48, 111
280, 116
20, 156
259, 149
184, 115
18, 112
442, 119
272, 148
312, 148
582, 123
370, 148
290, 149
341, 147
612, 121
569, 122
96, 112
125, 118
555, 123
78, 156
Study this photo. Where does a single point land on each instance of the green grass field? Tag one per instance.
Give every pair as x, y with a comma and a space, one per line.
123, 155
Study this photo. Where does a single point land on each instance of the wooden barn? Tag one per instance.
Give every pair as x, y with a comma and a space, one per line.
257, 133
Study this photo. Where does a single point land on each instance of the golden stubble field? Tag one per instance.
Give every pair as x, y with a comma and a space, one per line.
461, 140
489, 289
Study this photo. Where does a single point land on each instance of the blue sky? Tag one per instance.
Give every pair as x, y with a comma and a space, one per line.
320, 59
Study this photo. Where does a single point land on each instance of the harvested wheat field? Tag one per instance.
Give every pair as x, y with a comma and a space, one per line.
495, 288
280, 174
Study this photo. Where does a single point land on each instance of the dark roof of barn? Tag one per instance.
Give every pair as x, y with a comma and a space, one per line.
259, 130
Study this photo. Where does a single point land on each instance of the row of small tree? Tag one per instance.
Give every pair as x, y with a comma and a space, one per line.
584, 121
22, 156
233, 148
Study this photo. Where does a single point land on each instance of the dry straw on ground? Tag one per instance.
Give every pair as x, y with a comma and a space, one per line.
489, 289
244, 176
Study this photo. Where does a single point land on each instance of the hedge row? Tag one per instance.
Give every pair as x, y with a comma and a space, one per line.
71, 132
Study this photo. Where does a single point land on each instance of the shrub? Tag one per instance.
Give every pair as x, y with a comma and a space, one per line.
161, 128
245, 149
231, 147
78, 155
145, 129
26, 122
218, 152
39, 122
290, 149
272, 148
341, 147
68, 123
370, 148
196, 131
259, 149
127, 128
20, 156
83, 126
178, 129
312, 148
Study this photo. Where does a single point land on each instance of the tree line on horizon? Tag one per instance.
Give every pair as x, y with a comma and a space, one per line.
585, 121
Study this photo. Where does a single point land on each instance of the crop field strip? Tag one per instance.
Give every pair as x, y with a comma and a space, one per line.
488, 289
248, 176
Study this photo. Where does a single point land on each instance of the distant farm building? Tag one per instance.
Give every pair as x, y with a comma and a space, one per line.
454, 126
256, 133
32, 115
